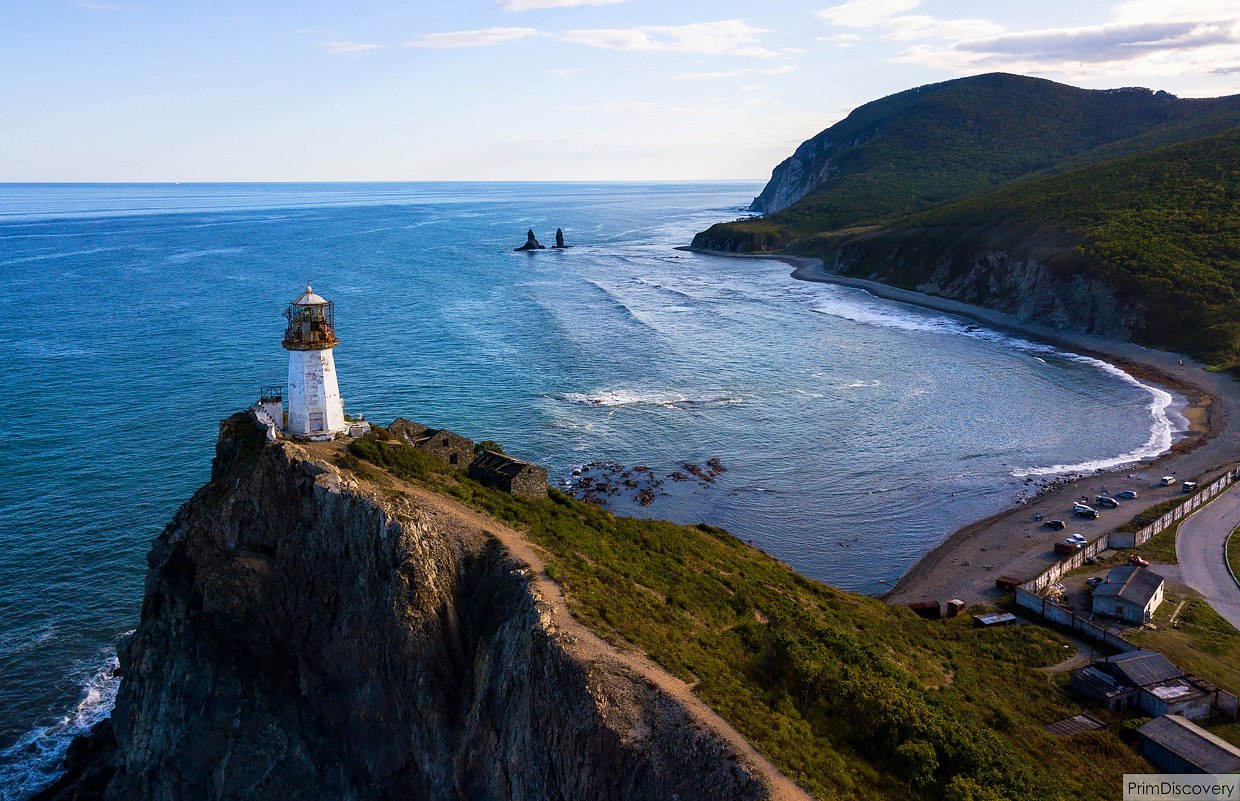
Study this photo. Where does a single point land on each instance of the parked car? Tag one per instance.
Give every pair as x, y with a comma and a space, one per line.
1108, 502
1137, 561
1190, 486
1055, 525
1127, 495
1094, 581
1077, 538
1086, 512
1167, 481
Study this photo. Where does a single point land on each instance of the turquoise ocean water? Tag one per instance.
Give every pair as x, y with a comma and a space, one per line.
856, 433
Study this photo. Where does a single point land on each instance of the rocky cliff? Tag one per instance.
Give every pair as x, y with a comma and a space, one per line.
1033, 281
304, 635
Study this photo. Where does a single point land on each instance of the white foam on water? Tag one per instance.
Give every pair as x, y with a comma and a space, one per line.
617, 398
34, 760
861, 307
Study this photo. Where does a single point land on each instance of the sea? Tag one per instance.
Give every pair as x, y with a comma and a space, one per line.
844, 434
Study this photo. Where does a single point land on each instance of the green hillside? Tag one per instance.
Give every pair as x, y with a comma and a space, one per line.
850, 697
1161, 228
943, 142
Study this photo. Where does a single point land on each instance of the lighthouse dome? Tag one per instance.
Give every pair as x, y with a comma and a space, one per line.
308, 298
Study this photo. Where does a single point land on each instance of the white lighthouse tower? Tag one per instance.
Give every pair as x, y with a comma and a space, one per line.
314, 405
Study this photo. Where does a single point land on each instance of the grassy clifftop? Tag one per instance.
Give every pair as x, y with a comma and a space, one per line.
850, 697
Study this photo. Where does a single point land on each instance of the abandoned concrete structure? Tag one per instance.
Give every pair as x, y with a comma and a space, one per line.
505, 473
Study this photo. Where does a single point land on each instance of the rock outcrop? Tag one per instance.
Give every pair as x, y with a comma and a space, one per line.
307, 636
1033, 286
531, 242
559, 238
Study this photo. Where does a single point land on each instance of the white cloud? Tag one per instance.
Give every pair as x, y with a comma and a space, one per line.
341, 46
1176, 11
706, 76
1111, 49
886, 16
534, 5
480, 38
916, 26
752, 87
726, 37
865, 13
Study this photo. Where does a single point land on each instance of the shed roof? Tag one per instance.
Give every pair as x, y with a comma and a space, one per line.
1143, 668
1135, 585
1196, 746
1101, 684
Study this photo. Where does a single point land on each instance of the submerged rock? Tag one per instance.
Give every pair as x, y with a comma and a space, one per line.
531, 242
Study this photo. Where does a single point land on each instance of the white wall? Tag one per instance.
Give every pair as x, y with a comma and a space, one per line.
314, 393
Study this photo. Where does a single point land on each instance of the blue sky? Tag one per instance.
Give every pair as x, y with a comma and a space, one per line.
530, 89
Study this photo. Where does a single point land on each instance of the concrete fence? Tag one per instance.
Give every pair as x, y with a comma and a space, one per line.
1030, 594
1131, 539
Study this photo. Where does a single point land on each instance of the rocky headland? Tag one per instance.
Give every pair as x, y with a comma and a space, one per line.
306, 634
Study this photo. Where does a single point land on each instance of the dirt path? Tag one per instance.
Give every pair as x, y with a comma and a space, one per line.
1203, 564
591, 647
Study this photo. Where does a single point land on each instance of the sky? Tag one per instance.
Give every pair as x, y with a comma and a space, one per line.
585, 90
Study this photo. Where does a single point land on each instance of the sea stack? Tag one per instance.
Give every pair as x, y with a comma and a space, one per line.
531, 242
559, 238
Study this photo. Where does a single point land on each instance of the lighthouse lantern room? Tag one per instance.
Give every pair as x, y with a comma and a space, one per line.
314, 405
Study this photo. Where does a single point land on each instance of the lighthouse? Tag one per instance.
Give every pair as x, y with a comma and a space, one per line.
314, 405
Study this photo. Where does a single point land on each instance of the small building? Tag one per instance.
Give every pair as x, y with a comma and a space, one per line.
1176, 745
1129, 593
1187, 696
406, 429
446, 446
1104, 688
506, 473
1146, 680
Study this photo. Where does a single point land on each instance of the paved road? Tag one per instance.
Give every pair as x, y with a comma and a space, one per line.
1199, 547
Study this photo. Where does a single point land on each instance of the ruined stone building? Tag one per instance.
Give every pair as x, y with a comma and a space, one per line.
506, 473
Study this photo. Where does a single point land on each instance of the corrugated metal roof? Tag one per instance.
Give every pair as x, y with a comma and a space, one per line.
1142, 668
1075, 725
1135, 585
1102, 684
1205, 751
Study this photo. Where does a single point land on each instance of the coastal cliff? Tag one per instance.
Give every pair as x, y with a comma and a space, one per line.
306, 636
1032, 284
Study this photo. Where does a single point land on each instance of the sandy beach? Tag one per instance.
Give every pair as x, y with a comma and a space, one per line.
1012, 543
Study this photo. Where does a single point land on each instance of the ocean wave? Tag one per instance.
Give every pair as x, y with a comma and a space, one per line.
1163, 424
617, 398
861, 384
34, 760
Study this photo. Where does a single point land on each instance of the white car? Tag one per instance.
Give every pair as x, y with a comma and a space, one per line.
1077, 539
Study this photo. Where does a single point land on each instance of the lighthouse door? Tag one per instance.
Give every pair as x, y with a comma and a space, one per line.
316, 421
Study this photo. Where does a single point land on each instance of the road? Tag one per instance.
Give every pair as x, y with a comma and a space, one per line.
1199, 547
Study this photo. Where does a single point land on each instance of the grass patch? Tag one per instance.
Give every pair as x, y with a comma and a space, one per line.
1205, 643
851, 697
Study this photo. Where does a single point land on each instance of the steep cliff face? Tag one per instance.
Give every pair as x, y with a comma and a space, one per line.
1030, 288
306, 637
